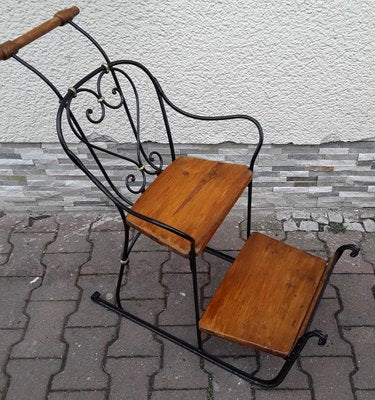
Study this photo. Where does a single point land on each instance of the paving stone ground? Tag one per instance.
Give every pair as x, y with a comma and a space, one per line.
56, 344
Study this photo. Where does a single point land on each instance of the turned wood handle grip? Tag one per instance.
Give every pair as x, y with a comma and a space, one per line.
11, 47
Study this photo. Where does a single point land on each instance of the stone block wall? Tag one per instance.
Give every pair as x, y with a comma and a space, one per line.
39, 177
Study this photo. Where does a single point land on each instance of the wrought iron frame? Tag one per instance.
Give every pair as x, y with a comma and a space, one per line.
145, 163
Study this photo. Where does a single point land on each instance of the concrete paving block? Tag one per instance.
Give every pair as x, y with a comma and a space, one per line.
106, 253
144, 275
283, 395
80, 395
346, 264
229, 386
134, 340
369, 225
178, 264
180, 301
271, 365
60, 277
83, 368
88, 312
26, 255
29, 378
357, 297
363, 341
335, 217
325, 320
181, 369
8, 337
73, 230
330, 376
14, 293
179, 394
130, 376
43, 335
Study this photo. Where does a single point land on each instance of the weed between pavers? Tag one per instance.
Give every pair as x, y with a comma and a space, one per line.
337, 228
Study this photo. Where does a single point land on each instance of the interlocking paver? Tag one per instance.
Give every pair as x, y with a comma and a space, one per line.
27, 252
228, 386
37, 223
83, 367
108, 222
225, 348
13, 295
357, 297
144, 243
42, 338
330, 376
307, 241
365, 394
7, 223
81, 395
130, 376
60, 277
325, 320
29, 378
181, 369
368, 247
363, 341
134, 340
228, 235
179, 394
88, 312
346, 264
283, 395
105, 353
72, 233
218, 269
180, 302
106, 253
143, 276
8, 337
178, 264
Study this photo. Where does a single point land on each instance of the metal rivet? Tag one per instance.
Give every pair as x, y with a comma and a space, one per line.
124, 262
106, 68
101, 99
141, 168
73, 90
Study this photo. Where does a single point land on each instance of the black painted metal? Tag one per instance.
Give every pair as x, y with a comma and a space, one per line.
267, 383
150, 164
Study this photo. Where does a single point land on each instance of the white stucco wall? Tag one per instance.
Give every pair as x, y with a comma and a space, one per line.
304, 69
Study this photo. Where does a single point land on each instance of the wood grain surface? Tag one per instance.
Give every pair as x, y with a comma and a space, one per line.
265, 297
193, 195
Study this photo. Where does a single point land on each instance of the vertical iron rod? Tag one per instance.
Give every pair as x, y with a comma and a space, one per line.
193, 267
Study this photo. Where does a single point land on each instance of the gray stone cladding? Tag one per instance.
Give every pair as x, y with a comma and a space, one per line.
40, 177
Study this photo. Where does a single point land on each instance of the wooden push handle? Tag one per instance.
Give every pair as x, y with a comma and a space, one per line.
11, 47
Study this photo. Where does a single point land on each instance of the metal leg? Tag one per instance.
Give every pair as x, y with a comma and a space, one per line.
193, 267
124, 259
249, 199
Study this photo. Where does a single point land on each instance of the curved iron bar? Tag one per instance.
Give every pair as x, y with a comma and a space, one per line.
73, 123
118, 87
249, 377
140, 149
338, 253
40, 75
117, 201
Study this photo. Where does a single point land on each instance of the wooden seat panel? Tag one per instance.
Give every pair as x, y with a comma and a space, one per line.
266, 296
193, 195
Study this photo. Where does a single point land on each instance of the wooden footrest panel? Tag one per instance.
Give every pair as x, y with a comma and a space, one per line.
266, 296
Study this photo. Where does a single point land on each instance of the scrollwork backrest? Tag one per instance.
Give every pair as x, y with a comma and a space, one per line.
123, 98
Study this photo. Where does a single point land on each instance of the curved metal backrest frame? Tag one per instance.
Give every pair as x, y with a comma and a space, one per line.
144, 162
